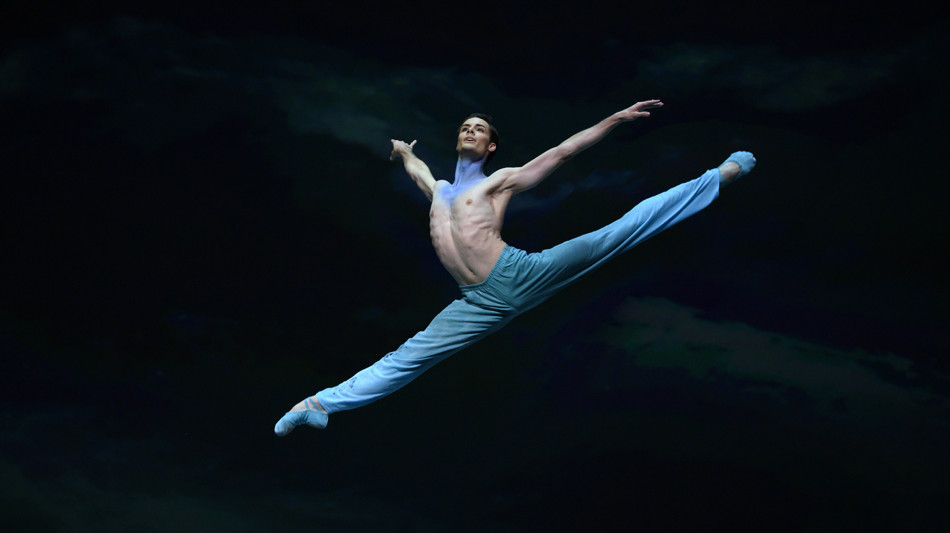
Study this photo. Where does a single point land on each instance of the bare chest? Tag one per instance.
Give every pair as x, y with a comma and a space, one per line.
459, 207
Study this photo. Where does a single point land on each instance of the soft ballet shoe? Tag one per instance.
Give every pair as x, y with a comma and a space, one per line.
311, 416
745, 160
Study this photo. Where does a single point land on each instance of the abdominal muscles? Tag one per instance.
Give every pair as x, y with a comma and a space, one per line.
466, 237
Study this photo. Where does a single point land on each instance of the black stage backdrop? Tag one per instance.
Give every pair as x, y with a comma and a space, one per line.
201, 226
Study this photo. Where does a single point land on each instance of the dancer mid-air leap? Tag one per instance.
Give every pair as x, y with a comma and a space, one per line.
498, 281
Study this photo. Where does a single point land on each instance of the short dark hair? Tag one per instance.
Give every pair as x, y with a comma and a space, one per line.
492, 131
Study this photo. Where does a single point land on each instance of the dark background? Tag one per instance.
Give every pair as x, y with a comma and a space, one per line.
200, 226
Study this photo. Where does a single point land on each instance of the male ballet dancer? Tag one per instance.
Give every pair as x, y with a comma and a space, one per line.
498, 281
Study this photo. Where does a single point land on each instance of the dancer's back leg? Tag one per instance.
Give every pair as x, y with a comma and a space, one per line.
460, 324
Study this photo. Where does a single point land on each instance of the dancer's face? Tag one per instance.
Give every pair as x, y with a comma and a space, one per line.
474, 139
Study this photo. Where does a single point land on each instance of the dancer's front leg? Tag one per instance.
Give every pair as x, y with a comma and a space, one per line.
555, 268
735, 166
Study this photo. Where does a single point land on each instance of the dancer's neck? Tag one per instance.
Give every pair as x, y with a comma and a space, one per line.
468, 171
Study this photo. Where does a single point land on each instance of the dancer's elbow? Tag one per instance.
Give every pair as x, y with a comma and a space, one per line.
565, 151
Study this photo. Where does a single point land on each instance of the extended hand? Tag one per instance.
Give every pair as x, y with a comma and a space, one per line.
400, 148
639, 109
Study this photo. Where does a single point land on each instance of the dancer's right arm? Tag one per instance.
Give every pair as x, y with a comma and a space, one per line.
416, 169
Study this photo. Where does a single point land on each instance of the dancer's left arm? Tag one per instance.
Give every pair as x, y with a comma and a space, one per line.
534, 172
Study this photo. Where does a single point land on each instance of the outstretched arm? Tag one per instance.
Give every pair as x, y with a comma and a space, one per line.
526, 177
416, 169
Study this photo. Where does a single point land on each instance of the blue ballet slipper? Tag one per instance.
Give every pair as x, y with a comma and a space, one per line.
745, 160
312, 416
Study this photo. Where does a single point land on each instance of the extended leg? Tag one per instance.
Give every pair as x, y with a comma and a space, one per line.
460, 324
551, 270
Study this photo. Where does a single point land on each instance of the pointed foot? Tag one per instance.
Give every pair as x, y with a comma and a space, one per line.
735, 166
311, 416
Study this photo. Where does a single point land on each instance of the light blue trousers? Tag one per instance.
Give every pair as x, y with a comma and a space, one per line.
518, 282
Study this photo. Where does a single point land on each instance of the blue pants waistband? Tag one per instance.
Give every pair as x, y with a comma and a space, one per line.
507, 255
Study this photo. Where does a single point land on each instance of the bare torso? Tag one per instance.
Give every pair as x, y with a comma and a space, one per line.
465, 225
